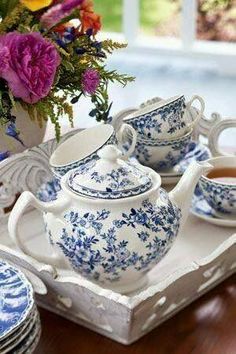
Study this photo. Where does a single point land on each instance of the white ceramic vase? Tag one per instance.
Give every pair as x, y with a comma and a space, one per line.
30, 132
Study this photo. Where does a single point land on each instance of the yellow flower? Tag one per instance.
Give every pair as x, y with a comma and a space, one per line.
35, 5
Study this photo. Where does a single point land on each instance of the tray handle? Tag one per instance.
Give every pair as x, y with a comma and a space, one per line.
215, 134
25, 200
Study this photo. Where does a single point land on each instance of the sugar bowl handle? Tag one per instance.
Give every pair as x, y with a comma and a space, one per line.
199, 112
117, 120
213, 138
25, 200
122, 137
121, 128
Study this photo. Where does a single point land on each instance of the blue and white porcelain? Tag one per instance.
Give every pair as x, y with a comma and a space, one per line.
165, 119
21, 335
112, 221
201, 209
48, 191
109, 177
15, 337
221, 196
84, 146
30, 342
162, 155
16, 299
195, 152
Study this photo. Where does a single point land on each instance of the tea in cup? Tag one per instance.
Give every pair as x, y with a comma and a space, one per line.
219, 185
165, 119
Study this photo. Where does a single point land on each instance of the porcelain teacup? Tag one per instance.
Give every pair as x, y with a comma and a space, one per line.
162, 154
84, 146
164, 119
220, 193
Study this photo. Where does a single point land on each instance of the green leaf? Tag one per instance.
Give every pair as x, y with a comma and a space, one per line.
68, 66
6, 6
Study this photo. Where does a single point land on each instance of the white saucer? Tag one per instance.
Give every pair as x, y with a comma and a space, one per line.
196, 152
202, 210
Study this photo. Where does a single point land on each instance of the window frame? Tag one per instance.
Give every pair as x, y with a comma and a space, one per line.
220, 56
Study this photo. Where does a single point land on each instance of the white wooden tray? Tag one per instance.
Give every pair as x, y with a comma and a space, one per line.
202, 257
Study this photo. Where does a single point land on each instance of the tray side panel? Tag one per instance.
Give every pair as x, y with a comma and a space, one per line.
167, 302
73, 301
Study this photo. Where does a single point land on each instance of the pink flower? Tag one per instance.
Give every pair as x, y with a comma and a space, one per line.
56, 13
90, 81
4, 58
28, 65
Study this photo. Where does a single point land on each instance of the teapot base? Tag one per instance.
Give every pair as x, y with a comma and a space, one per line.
130, 287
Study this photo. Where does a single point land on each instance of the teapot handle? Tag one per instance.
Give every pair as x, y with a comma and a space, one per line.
199, 112
25, 200
214, 134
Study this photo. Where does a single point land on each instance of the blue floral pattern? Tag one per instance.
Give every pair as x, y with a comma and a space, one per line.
16, 298
117, 179
176, 152
194, 152
168, 118
200, 206
203, 210
48, 191
105, 254
117, 183
220, 197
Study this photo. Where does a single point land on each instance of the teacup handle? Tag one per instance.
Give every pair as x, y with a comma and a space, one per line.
214, 134
117, 120
199, 112
25, 200
121, 135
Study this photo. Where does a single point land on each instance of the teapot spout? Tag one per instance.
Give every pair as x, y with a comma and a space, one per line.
182, 194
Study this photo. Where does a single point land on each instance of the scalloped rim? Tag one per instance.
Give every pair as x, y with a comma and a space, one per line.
30, 296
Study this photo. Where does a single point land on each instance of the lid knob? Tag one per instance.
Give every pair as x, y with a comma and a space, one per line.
110, 153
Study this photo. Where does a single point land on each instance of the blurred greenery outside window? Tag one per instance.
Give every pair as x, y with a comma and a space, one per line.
216, 19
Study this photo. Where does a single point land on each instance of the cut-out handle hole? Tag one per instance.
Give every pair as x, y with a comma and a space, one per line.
148, 322
160, 302
65, 301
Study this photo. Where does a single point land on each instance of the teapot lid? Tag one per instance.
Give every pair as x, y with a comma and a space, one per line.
109, 177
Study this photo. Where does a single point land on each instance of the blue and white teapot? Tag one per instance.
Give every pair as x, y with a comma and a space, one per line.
112, 221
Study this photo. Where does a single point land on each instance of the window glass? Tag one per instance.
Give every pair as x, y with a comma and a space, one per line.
111, 12
216, 20
160, 17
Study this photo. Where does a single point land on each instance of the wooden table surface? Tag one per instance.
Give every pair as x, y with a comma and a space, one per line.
207, 326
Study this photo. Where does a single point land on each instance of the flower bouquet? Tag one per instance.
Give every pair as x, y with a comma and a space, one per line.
49, 59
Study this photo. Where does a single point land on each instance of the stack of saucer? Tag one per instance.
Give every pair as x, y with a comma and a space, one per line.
164, 130
19, 319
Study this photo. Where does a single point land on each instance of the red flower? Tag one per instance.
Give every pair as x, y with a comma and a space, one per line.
90, 20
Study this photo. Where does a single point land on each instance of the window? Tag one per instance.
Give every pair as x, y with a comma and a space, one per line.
194, 29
